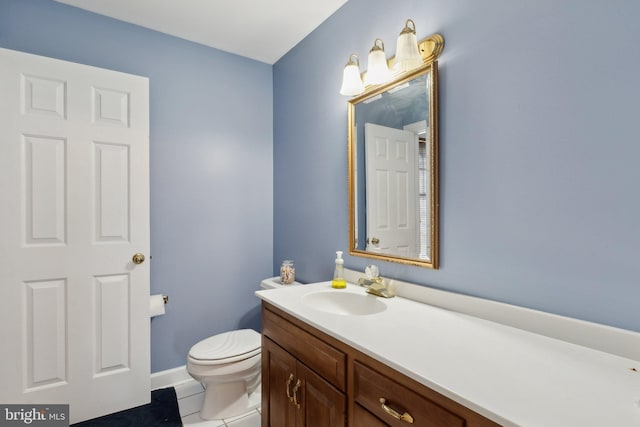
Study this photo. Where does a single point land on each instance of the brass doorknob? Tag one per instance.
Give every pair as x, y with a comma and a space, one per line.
138, 258
375, 240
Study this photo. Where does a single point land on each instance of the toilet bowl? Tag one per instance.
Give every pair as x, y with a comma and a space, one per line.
228, 366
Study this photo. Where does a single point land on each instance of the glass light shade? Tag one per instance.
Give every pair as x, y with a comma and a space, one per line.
378, 70
407, 54
351, 80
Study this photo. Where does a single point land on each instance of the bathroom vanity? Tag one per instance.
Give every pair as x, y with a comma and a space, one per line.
346, 358
310, 378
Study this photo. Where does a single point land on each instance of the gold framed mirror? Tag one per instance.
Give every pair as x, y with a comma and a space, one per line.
393, 167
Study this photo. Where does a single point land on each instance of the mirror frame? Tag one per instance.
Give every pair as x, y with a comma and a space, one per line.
430, 49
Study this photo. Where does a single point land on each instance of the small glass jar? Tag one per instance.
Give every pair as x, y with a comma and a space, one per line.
287, 272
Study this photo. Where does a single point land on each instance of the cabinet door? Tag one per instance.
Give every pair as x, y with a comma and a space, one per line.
322, 405
278, 374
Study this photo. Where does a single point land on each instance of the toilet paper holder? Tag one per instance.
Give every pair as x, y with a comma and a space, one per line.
157, 304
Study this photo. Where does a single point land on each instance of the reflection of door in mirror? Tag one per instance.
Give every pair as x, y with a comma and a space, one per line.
392, 190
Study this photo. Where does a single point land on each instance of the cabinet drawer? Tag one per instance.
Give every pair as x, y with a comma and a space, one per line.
371, 386
326, 360
362, 418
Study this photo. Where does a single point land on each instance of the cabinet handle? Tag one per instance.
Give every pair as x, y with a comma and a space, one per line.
295, 393
395, 414
289, 388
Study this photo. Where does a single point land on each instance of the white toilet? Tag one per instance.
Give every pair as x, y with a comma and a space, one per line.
229, 366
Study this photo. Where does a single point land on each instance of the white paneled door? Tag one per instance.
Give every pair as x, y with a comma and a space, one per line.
391, 190
74, 209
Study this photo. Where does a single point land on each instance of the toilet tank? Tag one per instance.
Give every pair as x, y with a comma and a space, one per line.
274, 283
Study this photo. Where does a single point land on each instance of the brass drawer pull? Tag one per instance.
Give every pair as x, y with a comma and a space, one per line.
295, 393
289, 388
395, 414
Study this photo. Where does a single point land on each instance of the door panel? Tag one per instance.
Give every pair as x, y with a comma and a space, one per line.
111, 323
111, 192
44, 190
45, 333
74, 208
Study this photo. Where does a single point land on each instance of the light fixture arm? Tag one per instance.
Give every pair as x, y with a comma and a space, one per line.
375, 47
406, 29
357, 63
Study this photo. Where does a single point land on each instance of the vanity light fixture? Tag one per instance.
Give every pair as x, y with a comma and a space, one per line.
351, 80
407, 55
378, 70
410, 54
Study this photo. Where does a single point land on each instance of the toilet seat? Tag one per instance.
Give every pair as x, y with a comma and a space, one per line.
227, 347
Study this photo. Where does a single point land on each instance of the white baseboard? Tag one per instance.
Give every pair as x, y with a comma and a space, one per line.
169, 377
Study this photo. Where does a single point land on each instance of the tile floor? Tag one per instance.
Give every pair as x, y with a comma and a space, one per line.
190, 394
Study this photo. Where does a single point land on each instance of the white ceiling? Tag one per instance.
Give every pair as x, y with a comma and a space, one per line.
263, 30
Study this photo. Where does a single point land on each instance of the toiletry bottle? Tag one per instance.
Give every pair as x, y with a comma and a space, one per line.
338, 281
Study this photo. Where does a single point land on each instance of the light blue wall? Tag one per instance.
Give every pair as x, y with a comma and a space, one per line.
540, 196
539, 175
211, 163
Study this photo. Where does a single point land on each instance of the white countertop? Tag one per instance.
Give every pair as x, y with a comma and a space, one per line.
511, 376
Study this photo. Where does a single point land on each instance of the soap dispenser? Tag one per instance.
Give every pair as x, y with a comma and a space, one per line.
338, 281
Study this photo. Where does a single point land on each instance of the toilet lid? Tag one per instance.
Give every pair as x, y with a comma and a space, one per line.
228, 346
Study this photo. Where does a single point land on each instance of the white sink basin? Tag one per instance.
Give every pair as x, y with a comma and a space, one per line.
346, 303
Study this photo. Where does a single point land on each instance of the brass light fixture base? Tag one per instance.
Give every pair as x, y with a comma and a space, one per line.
431, 48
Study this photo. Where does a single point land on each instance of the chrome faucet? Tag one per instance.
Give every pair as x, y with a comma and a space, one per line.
374, 283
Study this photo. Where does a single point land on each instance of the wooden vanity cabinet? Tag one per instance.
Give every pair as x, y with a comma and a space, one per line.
297, 396
303, 378
340, 386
